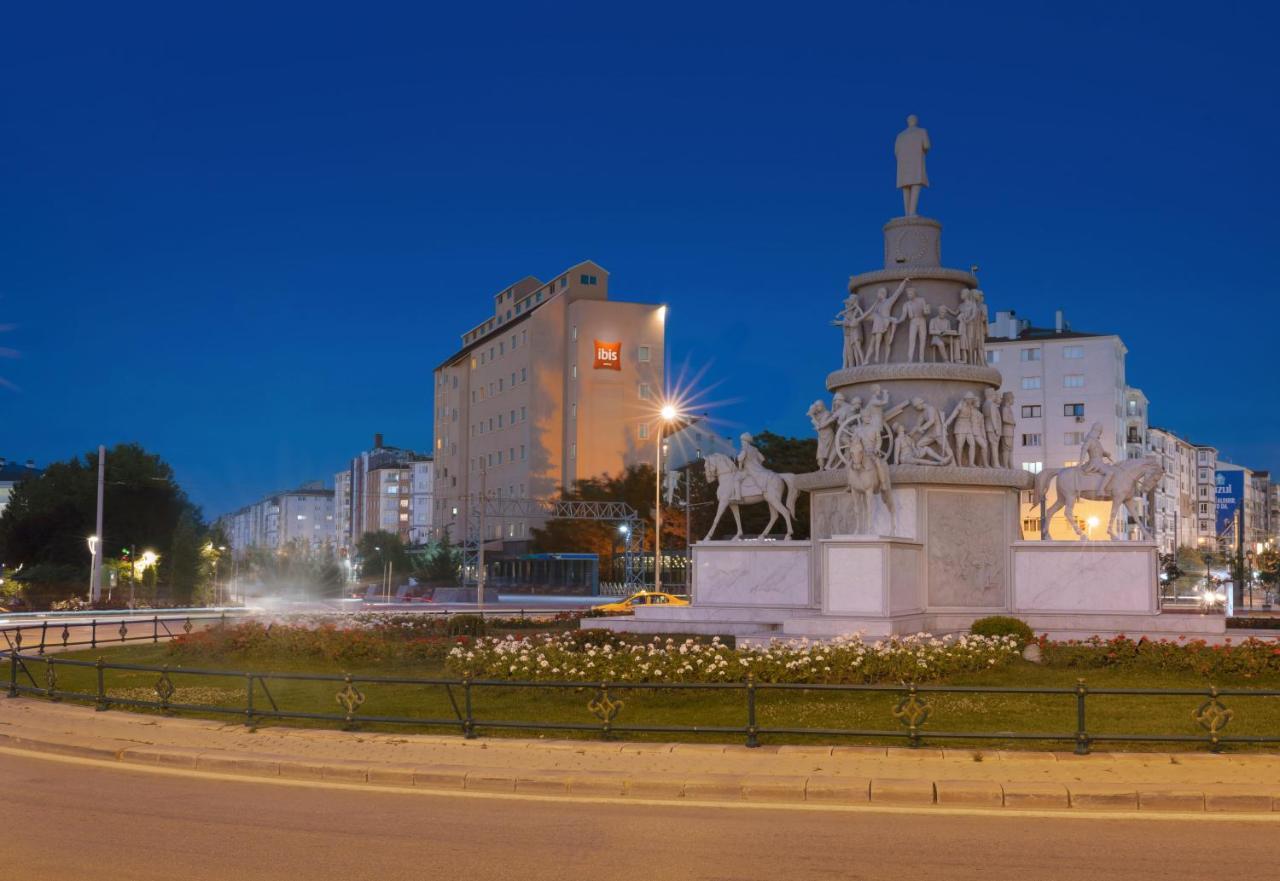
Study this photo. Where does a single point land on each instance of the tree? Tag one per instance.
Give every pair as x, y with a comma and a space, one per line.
444, 562
376, 549
49, 517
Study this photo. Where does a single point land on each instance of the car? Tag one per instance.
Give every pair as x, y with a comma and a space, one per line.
643, 598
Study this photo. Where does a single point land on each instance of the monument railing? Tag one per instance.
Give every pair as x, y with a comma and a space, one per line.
597, 707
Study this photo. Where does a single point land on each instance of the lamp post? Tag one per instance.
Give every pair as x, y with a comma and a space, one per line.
667, 414
95, 576
93, 572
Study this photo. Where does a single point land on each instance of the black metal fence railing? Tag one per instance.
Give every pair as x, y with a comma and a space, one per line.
915, 705
64, 634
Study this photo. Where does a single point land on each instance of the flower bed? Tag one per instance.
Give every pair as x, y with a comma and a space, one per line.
1247, 659
602, 656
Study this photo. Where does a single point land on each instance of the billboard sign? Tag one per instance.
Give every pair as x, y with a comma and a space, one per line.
1228, 496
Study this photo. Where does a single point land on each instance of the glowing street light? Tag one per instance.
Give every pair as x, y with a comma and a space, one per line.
1091, 522
668, 413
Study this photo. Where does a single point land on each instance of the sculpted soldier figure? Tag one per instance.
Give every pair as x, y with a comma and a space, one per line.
907, 452
850, 318
1094, 459
970, 430
752, 475
824, 422
882, 322
982, 328
1006, 430
916, 311
909, 149
994, 421
930, 431
969, 319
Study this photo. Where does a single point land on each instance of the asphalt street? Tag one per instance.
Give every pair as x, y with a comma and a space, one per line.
83, 820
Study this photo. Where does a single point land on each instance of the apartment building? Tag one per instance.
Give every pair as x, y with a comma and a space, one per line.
558, 383
301, 519
1064, 381
1206, 495
383, 489
1177, 510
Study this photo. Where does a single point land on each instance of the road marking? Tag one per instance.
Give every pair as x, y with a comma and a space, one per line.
935, 810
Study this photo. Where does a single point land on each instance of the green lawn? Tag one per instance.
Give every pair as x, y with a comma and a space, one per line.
994, 714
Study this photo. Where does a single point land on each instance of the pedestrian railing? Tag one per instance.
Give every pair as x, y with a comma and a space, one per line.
598, 707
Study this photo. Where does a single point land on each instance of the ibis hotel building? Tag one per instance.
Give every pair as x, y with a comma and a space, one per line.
559, 383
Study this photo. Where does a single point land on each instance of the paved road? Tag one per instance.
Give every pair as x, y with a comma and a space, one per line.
72, 821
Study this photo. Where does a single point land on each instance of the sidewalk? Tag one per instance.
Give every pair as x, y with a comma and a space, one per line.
815, 775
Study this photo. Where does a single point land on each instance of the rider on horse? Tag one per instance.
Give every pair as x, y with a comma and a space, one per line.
751, 465
1095, 460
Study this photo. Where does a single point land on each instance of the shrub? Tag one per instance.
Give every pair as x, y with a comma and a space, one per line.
1246, 659
1003, 625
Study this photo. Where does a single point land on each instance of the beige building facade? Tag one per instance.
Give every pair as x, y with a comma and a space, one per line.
385, 489
559, 383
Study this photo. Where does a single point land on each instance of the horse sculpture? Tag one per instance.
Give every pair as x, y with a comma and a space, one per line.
779, 492
867, 479
1130, 479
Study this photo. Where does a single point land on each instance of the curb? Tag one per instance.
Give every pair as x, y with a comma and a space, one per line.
817, 790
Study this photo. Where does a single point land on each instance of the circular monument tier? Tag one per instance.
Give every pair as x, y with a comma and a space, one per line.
970, 374
914, 475
863, 280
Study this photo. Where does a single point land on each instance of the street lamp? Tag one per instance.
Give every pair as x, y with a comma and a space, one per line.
667, 414
1091, 522
93, 552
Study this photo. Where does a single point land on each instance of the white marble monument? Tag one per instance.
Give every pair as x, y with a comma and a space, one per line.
913, 504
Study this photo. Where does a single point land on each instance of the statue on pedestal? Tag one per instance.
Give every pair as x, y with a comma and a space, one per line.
909, 149
748, 482
1094, 459
1125, 482
916, 311
1006, 430
868, 477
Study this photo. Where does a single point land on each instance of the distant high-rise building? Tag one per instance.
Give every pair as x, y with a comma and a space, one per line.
559, 383
385, 489
301, 519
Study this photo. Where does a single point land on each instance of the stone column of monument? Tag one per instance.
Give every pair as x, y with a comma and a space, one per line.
946, 543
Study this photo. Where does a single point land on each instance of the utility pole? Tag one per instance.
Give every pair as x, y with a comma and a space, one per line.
95, 578
480, 579
1238, 587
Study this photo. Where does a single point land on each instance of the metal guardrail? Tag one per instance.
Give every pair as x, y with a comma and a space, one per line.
911, 712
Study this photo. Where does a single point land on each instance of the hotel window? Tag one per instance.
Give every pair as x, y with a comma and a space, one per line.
513, 379
573, 451
524, 374
573, 410
1073, 380
1031, 440
1073, 409
1030, 411
573, 374
642, 352
644, 390
1030, 382
1029, 355
1073, 352
588, 279
644, 431
522, 416
513, 418
522, 455
993, 357
573, 332
1033, 467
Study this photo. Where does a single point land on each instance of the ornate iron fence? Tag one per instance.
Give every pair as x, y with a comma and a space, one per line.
605, 702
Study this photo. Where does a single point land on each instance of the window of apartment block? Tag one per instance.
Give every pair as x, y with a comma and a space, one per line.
502, 348
1030, 382
499, 420
1073, 380
1030, 411
1073, 409
1029, 355
1033, 467
524, 337
573, 332
491, 353
499, 457
513, 418
513, 379
573, 373
491, 423
513, 342
473, 360
490, 460
993, 357
499, 385
564, 282
1073, 438
644, 431
644, 390
522, 416
511, 455
524, 374
1073, 351
587, 279
573, 410
537, 298
1031, 440
642, 353
522, 453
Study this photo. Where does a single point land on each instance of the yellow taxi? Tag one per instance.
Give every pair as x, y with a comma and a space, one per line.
643, 598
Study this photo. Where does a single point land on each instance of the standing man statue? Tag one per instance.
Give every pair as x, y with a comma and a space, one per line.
850, 318
824, 422
909, 149
1006, 430
916, 311
994, 419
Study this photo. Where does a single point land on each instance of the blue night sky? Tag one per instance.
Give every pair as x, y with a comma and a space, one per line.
243, 235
